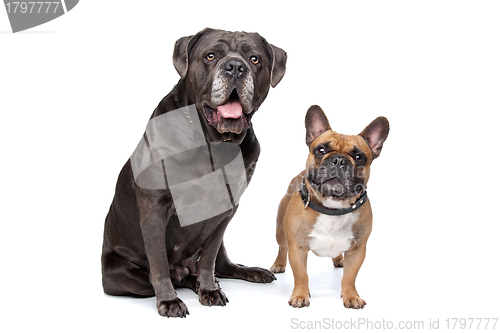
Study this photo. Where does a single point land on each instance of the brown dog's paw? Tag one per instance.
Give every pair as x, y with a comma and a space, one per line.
277, 268
173, 308
338, 261
212, 297
353, 302
298, 301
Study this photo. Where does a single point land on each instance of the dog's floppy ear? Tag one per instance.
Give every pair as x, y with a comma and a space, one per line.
181, 51
375, 135
279, 65
316, 123
278, 62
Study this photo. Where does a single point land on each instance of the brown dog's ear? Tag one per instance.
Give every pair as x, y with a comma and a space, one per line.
375, 135
278, 62
181, 51
316, 124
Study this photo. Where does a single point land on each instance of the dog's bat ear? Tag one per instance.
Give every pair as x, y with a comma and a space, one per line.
278, 58
316, 123
181, 51
375, 135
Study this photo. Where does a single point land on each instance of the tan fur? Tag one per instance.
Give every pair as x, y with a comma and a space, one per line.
295, 223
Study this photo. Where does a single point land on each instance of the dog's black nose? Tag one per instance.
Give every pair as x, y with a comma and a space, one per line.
339, 160
235, 67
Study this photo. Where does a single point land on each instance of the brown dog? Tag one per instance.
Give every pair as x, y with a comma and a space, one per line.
326, 209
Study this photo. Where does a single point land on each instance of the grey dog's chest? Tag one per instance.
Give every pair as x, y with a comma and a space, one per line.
332, 235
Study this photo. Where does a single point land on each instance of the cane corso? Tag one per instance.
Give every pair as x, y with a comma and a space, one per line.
148, 250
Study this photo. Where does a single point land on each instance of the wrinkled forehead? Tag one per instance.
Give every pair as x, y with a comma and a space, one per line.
342, 143
227, 41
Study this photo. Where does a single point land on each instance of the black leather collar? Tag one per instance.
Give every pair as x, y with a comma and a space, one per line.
306, 199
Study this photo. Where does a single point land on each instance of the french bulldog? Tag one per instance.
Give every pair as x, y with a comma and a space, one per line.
326, 209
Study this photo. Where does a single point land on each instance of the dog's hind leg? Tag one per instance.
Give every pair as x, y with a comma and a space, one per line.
225, 268
279, 265
121, 277
339, 260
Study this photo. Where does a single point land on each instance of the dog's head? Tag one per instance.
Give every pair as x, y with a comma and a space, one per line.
338, 166
227, 76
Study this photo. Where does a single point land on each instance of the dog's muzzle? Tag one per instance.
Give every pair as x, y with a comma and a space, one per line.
336, 178
231, 99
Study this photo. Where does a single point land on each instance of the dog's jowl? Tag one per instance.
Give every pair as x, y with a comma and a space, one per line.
326, 209
177, 193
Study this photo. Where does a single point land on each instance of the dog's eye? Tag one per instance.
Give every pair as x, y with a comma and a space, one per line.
210, 56
359, 158
320, 151
255, 60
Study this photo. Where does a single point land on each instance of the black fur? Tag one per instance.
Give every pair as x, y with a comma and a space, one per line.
146, 252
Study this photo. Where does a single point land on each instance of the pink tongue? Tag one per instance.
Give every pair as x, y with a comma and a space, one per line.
232, 109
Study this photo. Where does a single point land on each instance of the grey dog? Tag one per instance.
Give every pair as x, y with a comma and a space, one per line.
148, 250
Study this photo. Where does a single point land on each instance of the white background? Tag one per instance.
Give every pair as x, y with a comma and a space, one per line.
75, 97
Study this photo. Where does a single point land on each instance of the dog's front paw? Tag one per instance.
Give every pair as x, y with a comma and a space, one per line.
173, 308
353, 301
212, 297
298, 301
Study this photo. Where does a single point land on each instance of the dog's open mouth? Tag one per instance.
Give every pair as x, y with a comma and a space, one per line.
229, 116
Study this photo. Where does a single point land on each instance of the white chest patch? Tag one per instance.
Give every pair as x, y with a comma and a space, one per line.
332, 235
